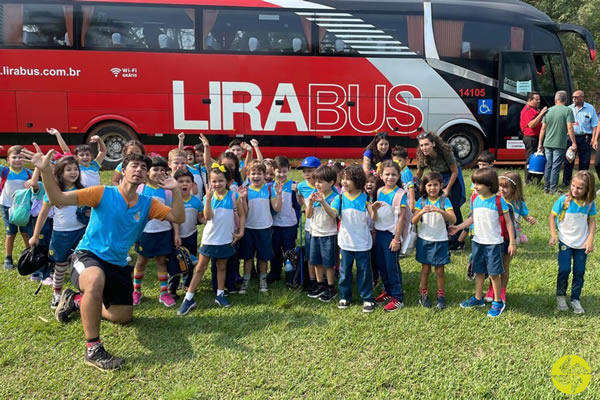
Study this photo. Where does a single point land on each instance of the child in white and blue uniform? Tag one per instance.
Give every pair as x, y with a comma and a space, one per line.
285, 222
354, 238
13, 178
574, 214
432, 212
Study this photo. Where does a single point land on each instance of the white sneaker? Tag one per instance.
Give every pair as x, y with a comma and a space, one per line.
48, 281
577, 309
561, 303
263, 287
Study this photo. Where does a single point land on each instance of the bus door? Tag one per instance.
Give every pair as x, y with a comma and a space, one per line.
551, 77
38, 111
516, 77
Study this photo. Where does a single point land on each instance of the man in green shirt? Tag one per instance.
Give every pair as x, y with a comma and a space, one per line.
556, 125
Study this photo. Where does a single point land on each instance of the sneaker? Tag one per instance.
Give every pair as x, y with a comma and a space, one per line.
175, 296
66, 306
232, 290
368, 306
441, 303
456, 246
343, 304
489, 296
383, 298
8, 263
393, 305
55, 300
317, 291
137, 298
49, 281
167, 300
327, 295
263, 287
244, 287
577, 309
186, 306
97, 357
561, 303
472, 302
496, 309
424, 301
222, 301
35, 278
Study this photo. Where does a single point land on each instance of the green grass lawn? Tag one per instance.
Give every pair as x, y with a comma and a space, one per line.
285, 345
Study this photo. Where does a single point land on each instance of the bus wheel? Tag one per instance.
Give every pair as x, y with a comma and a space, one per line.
115, 135
467, 143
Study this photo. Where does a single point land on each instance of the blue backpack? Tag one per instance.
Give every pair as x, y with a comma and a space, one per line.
20, 211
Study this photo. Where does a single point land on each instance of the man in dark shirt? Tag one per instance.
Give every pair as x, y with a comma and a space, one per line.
531, 124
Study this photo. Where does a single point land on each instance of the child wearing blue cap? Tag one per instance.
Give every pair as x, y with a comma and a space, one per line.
304, 190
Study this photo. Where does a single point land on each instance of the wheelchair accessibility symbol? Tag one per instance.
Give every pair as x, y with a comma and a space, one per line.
485, 106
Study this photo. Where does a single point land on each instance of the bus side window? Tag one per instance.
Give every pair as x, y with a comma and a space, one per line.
36, 25
255, 31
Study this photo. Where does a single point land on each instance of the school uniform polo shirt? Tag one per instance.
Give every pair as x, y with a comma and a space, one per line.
113, 226
259, 207
354, 234
197, 174
14, 181
90, 175
166, 198
572, 223
486, 220
432, 226
407, 178
219, 229
287, 216
193, 207
387, 216
322, 224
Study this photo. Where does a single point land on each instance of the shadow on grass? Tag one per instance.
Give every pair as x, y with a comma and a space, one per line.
158, 334
544, 305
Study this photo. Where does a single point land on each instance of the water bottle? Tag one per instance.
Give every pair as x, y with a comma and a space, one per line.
289, 272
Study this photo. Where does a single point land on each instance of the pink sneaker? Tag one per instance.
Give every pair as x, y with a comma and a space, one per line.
503, 295
489, 296
167, 300
137, 298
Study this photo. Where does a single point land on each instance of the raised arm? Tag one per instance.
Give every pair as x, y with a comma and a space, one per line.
101, 148
41, 161
181, 139
177, 214
206, 155
254, 144
61, 142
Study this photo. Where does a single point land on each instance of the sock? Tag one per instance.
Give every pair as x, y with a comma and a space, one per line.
423, 291
163, 279
330, 287
189, 296
9, 258
441, 293
138, 277
77, 300
263, 277
59, 275
220, 292
92, 342
247, 277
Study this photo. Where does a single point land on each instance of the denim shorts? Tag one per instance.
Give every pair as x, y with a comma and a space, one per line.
63, 243
155, 244
257, 241
323, 251
222, 251
487, 258
12, 229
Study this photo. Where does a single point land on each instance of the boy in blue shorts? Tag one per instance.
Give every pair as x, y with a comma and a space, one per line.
488, 243
13, 178
186, 234
156, 240
285, 222
305, 189
323, 233
257, 237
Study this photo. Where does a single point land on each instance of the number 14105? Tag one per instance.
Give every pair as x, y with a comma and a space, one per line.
472, 92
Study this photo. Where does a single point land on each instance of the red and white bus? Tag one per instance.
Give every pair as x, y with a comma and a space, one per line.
303, 77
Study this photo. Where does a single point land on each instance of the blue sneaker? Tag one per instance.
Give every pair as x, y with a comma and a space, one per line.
186, 307
497, 308
472, 302
222, 301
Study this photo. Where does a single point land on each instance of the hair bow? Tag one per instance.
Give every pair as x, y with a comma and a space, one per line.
218, 166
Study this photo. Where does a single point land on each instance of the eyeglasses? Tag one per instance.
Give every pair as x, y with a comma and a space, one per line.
423, 135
